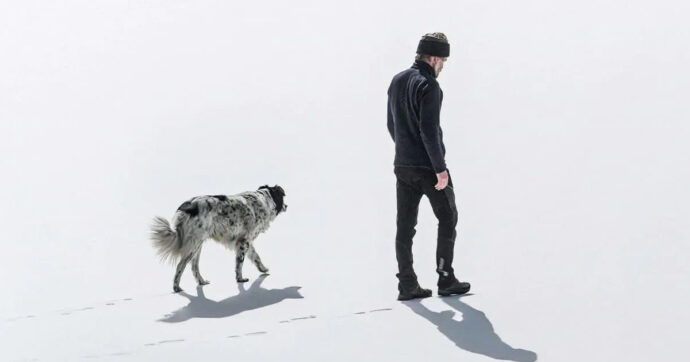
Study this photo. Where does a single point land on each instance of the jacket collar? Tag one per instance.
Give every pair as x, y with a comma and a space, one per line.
424, 67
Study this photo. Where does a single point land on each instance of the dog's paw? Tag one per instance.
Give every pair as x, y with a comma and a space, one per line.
176, 289
242, 280
264, 270
204, 282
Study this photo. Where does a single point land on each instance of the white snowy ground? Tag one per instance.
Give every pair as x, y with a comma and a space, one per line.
567, 132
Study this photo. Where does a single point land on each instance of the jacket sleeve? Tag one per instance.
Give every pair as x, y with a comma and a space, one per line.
429, 112
391, 125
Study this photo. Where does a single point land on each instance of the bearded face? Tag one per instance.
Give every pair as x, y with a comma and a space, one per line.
437, 64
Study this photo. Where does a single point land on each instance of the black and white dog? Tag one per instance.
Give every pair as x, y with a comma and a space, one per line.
232, 220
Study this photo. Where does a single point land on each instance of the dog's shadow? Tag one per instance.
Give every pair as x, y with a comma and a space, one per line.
474, 333
248, 299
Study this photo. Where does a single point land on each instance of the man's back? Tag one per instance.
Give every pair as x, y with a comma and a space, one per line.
414, 105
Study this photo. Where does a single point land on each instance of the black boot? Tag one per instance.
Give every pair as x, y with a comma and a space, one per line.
415, 292
451, 286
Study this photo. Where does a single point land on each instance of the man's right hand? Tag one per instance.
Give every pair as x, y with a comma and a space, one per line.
442, 180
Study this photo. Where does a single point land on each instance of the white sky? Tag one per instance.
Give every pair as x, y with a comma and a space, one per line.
566, 126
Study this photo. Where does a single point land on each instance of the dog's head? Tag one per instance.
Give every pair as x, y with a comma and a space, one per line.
277, 194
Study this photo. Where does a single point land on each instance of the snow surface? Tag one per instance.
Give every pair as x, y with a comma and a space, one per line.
566, 125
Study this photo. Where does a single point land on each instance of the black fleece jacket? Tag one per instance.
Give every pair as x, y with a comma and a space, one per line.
414, 107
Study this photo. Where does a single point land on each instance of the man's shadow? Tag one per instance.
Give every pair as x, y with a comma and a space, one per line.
253, 298
474, 333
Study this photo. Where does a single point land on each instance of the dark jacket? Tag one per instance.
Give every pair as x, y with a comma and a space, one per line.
414, 106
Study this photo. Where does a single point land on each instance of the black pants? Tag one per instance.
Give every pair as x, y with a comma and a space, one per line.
412, 184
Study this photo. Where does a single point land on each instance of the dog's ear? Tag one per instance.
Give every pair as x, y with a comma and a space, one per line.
264, 187
279, 190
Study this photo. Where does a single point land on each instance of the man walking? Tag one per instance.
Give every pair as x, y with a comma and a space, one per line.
414, 106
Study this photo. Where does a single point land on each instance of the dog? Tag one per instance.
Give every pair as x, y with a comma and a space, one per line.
232, 220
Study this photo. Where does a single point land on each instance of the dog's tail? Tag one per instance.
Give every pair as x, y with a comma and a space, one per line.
166, 241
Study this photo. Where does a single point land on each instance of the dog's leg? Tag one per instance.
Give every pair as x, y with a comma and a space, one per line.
254, 256
178, 274
240, 251
195, 268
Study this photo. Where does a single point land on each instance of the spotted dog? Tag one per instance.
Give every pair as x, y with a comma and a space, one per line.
232, 220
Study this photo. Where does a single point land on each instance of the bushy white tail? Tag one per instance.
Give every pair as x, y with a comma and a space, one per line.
166, 241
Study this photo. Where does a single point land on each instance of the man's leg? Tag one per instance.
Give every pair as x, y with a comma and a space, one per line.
408, 198
443, 205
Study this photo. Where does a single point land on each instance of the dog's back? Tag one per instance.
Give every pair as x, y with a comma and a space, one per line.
222, 218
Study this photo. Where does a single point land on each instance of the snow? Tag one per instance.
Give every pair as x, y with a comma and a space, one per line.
566, 130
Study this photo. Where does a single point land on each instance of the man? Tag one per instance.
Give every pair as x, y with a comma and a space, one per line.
414, 106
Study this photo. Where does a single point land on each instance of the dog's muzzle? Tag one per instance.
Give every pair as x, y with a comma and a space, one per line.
284, 207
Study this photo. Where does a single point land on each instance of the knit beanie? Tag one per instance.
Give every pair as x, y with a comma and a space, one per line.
434, 44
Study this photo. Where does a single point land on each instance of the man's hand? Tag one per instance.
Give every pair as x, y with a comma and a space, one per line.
442, 180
